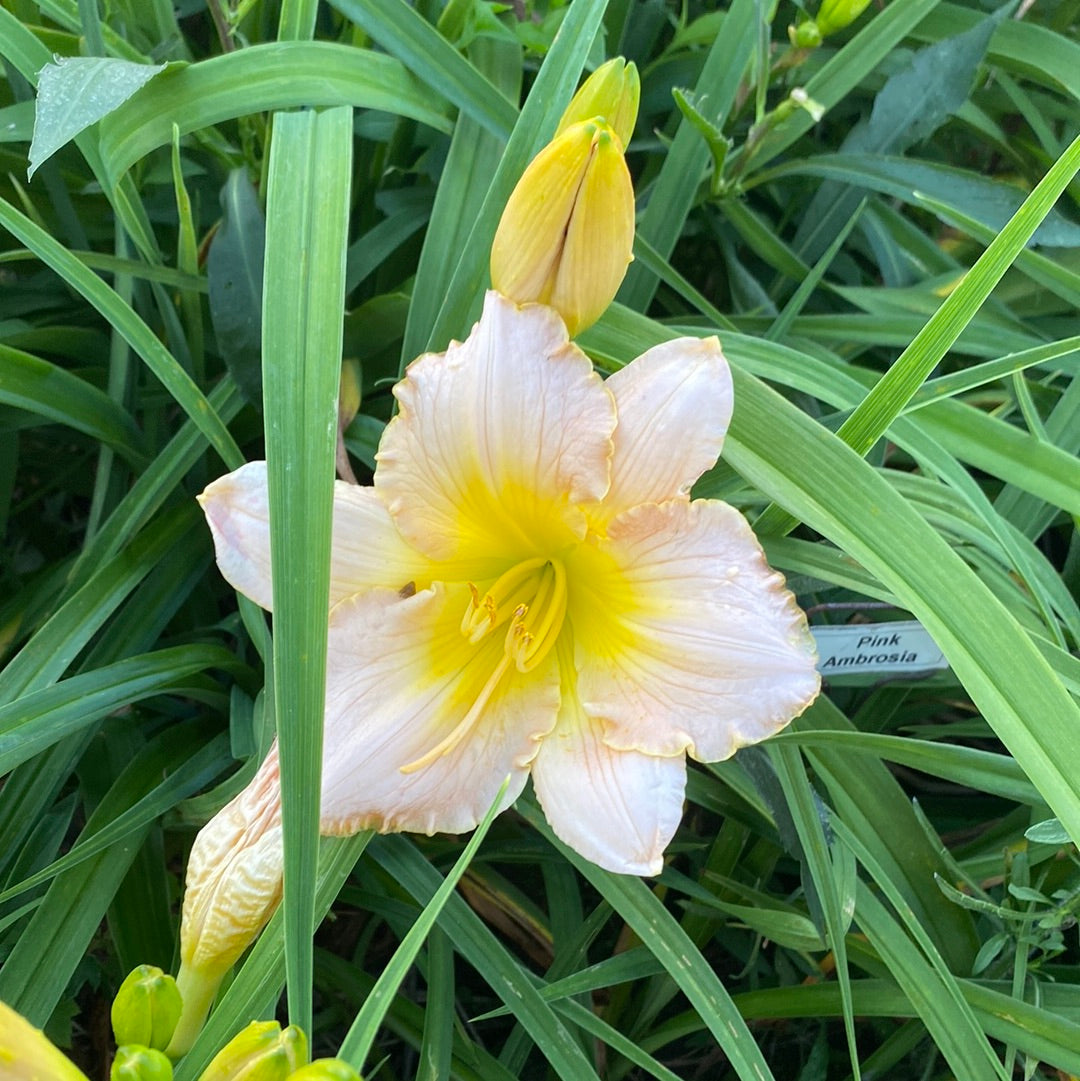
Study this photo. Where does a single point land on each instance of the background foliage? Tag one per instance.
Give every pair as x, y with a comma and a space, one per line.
895, 278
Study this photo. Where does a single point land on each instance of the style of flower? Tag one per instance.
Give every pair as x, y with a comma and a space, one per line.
528, 587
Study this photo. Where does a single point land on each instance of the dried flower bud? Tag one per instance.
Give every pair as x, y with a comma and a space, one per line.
260, 1052
612, 92
146, 1008
135, 1063
567, 232
326, 1069
233, 887
26, 1054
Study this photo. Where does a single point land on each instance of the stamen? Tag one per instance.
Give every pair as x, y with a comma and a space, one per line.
486, 613
461, 730
529, 640
532, 597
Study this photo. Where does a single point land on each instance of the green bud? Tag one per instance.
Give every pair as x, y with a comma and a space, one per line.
349, 393
805, 36
260, 1052
326, 1069
146, 1008
135, 1063
834, 15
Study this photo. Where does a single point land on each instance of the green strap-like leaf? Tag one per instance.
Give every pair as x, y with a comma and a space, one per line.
303, 306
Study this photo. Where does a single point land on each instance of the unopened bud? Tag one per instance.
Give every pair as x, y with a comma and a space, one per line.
134, 1063
834, 15
805, 36
349, 395
233, 886
326, 1069
566, 235
260, 1052
146, 1008
26, 1054
612, 93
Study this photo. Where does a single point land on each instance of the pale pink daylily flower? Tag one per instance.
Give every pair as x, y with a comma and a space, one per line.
528, 587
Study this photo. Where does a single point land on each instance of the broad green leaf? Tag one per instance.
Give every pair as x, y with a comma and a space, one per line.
1036, 52
234, 272
1048, 832
916, 101
966, 766
259, 79
77, 91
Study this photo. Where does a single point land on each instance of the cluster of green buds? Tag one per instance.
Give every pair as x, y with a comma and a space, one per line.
143, 1013
566, 236
833, 15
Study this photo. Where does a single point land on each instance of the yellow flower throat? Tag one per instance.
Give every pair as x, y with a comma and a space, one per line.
531, 596
530, 599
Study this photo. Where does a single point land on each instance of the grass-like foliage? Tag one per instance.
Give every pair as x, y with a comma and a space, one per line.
880, 222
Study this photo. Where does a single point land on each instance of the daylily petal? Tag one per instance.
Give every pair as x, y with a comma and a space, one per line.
685, 638
498, 440
674, 406
367, 549
26, 1054
401, 678
617, 808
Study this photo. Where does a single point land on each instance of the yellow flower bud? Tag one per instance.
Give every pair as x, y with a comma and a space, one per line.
135, 1063
567, 232
612, 92
326, 1069
834, 15
146, 1008
232, 888
26, 1055
260, 1052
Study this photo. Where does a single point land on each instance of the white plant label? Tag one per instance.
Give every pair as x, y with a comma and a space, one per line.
886, 648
